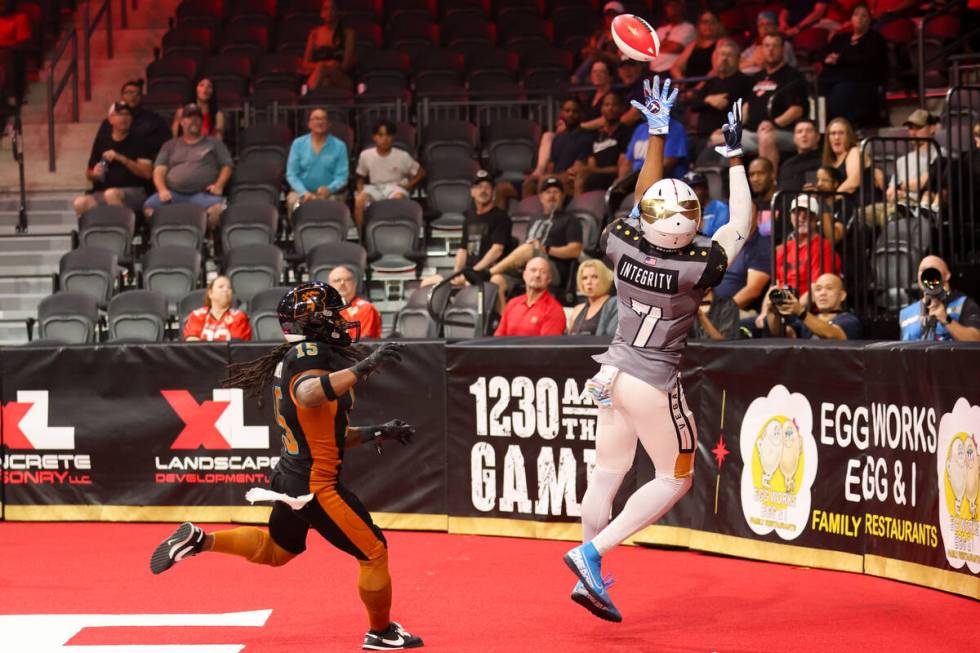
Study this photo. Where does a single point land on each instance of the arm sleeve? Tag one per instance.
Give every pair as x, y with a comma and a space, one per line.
221, 151
371, 324
362, 169
340, 169
554, 323
96, 153
732, 236
573, 231
193, 326
501, 231
292, 170
850, 324
502, 327
241, 328
163, 156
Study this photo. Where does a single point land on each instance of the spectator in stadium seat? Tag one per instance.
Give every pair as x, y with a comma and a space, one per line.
911, 176
942, 314
836, 211
486, 232
718, 318
675, 34
212, 120
762, 181
15, 34
118, 167
535, 313
855, 68
192, 169
318, 167
598, 315
714, 213
753, 59
747, 277
560, 149
822, 317
148, 126
800, 15
770, 133
601, 78
217, 320
599, 167
675, 151
384, 172
359, 310
712, 99
329, 55
840, 150
556, 237
696, 59
806, 254
793, 171
601, 46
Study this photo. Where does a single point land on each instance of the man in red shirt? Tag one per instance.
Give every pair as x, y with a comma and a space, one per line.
535, 313
361, 310
806, 254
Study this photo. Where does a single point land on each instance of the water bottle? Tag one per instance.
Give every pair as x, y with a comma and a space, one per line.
105, 166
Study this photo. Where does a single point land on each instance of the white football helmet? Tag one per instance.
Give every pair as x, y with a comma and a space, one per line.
670, 214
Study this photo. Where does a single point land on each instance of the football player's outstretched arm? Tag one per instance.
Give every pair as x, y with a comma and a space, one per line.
656, 109
313, 390
732, 236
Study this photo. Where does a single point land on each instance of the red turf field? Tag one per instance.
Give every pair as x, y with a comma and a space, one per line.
462, 594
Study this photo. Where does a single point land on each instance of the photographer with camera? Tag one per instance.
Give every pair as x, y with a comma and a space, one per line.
942, 313
825, 318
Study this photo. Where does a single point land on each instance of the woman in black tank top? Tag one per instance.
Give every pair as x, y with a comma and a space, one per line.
590, 318
695, 60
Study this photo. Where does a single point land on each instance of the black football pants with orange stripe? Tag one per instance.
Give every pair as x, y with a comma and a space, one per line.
337, 515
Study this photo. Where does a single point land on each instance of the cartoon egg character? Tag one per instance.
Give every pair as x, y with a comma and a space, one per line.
790, 460
956, 472
770, 444
972, 474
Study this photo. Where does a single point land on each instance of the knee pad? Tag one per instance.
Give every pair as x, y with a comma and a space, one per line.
374, 574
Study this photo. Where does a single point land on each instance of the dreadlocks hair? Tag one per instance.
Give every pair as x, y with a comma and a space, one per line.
254, 376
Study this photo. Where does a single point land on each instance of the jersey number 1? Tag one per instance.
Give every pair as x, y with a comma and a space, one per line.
651, 315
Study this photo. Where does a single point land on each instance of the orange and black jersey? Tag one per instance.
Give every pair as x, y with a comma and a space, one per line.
312, 438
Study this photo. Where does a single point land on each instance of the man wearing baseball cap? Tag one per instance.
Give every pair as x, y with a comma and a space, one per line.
806, 254
555, 235
191, 169
486, 232
119, 166
911, 179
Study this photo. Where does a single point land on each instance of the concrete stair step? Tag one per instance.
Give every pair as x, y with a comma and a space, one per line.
16, 314
20, 302
13, 333
39, 260
37, 285
66, 221
26, 270
32, 242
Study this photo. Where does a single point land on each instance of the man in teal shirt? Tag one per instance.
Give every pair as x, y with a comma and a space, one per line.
318, 164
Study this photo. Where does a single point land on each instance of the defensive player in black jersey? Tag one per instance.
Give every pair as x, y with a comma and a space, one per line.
312, 377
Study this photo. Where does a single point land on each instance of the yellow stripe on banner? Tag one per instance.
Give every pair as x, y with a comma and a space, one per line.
664, 536
787, 554
911, 572
410, 521
515, 528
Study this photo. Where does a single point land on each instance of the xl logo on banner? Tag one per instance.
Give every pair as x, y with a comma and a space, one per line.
780, 463
25, 424
217, 423
958, 473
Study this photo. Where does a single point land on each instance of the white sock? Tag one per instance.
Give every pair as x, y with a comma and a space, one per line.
597, 502
647, 505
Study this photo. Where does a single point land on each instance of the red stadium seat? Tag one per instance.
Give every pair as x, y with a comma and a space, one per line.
901, 30
811, 40
942, 28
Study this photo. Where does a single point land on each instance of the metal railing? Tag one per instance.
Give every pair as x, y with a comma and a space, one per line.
89, 25
70, 38
806, 247
17, 149
901, 225
962, 113
483, 111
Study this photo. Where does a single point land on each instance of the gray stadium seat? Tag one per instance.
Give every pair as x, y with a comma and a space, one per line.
325, 257
449, 139
450, 198
109, 227
172, 270
464, 308
138, 316
91, 270
248, 224
265, 316
413, 320
68, 317
178, 224
319, 221
253, 268
512, 147
392, 235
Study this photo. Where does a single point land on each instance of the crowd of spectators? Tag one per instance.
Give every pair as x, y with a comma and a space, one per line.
143, 161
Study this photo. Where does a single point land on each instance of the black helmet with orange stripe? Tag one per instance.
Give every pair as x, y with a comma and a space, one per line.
311, 311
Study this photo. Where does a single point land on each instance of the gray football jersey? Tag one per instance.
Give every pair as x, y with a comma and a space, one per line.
659, 293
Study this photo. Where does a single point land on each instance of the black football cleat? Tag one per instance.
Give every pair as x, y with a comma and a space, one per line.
392, 638
187, 540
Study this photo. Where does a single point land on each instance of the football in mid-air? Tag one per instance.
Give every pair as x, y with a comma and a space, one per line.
635, 38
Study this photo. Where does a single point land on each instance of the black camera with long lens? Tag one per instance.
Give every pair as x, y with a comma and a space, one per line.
932, 284
780, 295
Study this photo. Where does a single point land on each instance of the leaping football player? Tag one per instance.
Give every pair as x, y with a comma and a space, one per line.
662, 269
312, 376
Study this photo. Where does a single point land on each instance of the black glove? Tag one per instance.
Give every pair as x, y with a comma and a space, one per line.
396, 429
389, 352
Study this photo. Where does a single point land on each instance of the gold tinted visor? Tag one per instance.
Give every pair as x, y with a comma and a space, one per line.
655, 209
